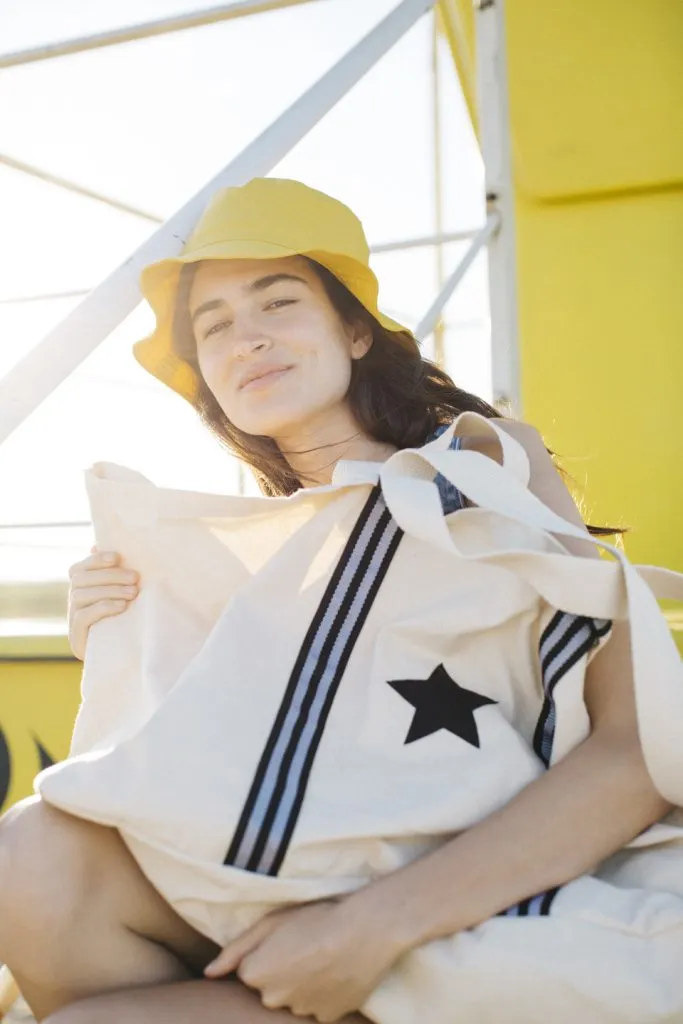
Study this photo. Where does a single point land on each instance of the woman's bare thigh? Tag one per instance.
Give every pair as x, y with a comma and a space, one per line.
211, 1002
78, 916
146, 913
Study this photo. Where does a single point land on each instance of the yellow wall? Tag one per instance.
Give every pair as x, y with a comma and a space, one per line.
38, 703
456, 21
601, 300
596, 93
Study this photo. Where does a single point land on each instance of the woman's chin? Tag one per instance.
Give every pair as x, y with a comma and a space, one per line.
273, 425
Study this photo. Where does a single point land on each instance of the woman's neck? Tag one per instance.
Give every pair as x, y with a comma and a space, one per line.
313, 453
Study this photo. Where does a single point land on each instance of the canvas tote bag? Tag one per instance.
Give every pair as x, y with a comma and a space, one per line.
310, 692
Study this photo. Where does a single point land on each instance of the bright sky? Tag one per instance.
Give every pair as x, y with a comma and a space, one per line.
148, 123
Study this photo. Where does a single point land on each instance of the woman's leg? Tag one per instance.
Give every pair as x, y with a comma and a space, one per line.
77, 916
208, 1002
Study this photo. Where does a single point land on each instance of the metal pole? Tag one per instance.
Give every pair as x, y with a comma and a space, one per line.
408, 243
439, 332
494, 123
424, 241
431, 317
145, 30
33, 379
16, 300
46, 526
80, 190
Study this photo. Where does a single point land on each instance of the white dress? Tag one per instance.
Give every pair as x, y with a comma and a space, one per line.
311, 692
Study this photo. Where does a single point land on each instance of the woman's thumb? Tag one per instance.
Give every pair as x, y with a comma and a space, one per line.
229, 958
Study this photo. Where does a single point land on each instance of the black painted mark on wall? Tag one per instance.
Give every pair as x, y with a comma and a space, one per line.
5, 770
45, 759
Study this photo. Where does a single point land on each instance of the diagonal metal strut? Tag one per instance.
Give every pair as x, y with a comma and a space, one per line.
431, 317
145, 30
39, 373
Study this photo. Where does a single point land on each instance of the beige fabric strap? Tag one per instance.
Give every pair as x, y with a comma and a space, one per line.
584, 586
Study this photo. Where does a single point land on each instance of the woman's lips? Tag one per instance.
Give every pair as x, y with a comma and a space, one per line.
266, 380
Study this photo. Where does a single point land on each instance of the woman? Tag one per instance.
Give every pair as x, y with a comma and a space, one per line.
427, 864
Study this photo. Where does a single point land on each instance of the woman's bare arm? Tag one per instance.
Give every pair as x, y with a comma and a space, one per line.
545, 481
579, 812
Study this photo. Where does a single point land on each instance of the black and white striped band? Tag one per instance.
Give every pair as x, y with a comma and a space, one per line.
274, 802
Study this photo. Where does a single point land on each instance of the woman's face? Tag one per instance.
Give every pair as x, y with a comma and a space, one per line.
270, 345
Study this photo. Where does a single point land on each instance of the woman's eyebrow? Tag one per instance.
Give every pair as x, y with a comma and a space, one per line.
265, 282
206, 307
259, 285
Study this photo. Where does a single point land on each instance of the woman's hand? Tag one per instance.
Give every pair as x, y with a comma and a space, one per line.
321, 960
99, 587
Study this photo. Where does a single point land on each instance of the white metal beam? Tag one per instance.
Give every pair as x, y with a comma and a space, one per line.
145, 30
431, 317
437, 171
80, 190
66, 525
424, 241
494, 132
18, 300
39, 373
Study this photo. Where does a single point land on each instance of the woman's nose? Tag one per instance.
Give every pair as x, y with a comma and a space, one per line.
250, 340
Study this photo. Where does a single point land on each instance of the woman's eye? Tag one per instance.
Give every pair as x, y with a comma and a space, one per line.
215, 328
223, 324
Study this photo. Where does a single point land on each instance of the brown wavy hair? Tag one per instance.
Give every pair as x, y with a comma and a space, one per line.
396, 395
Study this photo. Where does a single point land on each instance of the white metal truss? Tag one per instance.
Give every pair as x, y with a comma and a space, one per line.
431, 317
64, 348
438, 329
494, 119
79, 190
29, 383
146, 30
422, 242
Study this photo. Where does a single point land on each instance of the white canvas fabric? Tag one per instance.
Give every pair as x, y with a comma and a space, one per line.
311, 692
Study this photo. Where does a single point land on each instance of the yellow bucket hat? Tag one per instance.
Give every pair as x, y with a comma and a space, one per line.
268, 218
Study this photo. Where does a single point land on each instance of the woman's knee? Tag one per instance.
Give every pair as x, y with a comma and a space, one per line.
67, 880
48, 868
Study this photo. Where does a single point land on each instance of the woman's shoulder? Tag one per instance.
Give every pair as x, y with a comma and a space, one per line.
545, 480
524, 433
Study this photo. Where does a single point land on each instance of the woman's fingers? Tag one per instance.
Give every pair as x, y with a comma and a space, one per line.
101, 569
100, 610
99, 588
82, 620
84, 596
228, 960
102, 578
96, 560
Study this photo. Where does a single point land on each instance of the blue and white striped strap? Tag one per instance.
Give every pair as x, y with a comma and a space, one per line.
565, 640
535, 906
276, 796
451, 498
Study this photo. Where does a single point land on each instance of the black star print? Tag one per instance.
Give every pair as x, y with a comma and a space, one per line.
440, 703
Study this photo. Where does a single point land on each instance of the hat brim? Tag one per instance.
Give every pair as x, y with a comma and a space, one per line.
159, 285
